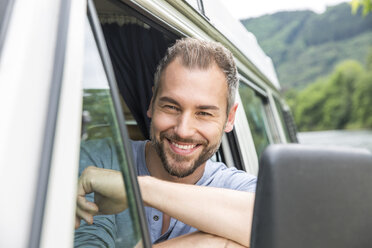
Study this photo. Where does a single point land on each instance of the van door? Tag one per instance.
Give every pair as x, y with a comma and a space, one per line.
105, 144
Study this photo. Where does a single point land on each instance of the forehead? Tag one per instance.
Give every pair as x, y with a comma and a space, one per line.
194, 84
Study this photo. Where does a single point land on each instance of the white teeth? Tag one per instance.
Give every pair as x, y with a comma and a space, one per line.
184, 147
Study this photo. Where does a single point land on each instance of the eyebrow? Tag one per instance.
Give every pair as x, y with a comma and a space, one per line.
202, 107
208, 107
168, 99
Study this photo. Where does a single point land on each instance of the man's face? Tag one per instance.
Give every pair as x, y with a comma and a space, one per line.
189, 117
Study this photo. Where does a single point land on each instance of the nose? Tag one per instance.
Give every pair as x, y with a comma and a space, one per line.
185, 126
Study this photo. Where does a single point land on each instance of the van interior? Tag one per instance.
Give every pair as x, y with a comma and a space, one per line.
135, 48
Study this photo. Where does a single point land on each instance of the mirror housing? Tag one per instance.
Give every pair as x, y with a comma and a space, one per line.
312, 196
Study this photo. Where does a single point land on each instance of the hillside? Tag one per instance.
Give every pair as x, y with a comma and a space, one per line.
305, 46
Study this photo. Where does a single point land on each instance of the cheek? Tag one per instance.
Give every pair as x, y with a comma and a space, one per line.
161, 121
211, 130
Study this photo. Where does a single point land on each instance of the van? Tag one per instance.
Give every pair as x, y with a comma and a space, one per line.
75, 71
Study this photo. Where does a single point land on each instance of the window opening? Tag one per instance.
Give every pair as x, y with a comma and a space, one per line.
135, 48
102, 145
287, 122
6, 7
254, 107
235, 150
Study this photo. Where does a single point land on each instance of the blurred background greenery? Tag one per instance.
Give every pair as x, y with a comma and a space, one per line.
324, 63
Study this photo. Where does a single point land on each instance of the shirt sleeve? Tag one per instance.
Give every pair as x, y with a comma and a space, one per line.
103, 232
231, 178
240, 180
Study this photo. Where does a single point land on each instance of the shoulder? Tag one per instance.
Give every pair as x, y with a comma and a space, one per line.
138, 147
97, 145
139, 158
217, 174
99, 152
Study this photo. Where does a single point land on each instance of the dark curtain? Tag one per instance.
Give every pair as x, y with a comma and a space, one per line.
135, 52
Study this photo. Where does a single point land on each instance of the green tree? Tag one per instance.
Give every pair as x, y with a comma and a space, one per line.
369, 60
308, 105
290, 97
327, 103
97, 106
305, 46
338, 108
366, 4
362, 102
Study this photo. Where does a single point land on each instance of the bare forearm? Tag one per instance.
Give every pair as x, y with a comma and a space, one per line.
223, 212
200, 240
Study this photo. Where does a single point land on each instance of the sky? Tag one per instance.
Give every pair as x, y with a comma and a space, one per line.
241, 9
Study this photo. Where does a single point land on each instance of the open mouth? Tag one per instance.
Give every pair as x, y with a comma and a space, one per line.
182, 148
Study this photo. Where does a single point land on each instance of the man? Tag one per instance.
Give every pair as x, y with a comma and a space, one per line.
193, 103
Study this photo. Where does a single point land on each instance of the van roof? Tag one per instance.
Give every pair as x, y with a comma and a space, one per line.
244, 40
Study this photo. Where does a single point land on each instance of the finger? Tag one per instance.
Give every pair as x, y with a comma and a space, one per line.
87, 217
108, 206
84, 187
86, 205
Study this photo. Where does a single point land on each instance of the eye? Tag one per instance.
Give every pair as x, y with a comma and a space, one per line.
202, 113
171, 107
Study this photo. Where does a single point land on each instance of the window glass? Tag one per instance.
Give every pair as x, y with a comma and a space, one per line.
193, 3
282, 118
287, 122
101, 146
254, 109
135, 47
5, 12
197, 5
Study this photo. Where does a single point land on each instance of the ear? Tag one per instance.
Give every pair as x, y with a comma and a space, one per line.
231, 118
149, 110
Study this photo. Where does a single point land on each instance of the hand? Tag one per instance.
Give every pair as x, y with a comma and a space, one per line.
109, 194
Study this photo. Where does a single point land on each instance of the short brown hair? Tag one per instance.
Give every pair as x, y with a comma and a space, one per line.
201, 54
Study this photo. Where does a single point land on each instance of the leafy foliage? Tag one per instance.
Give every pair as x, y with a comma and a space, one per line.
305, 45
362, 102
341, 100
254, 111
367, 6
97, 114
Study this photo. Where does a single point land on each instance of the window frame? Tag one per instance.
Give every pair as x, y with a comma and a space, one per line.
263, 96
5, 22
242, 131
234, 149
106, 61
244, 140
287, 121
148, 18
47, 151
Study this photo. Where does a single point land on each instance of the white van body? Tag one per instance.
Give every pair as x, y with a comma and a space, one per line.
41, 68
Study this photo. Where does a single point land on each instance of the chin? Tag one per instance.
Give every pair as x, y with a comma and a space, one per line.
178, 169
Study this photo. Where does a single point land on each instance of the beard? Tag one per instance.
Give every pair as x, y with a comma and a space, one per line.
172, 162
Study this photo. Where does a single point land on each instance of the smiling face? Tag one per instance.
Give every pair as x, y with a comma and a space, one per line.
189, 116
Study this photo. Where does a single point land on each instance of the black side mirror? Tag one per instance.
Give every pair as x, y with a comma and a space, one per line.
313, 197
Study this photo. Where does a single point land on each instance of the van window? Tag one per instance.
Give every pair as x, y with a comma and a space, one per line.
102, 146
3, 6
135, 48
287, 121
5, 12
254, 109
197, 5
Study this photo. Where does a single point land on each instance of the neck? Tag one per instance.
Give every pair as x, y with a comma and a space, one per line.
156, 168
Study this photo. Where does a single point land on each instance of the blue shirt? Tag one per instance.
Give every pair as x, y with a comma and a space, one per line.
116, 229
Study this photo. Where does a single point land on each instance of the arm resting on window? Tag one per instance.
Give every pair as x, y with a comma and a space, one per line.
200, 240
222, 212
